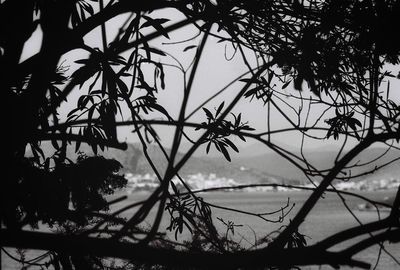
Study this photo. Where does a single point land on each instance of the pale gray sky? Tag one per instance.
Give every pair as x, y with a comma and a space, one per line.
214, 72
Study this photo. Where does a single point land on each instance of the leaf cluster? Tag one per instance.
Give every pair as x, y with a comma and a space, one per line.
263, 89
185, 211
341, 123
220, 129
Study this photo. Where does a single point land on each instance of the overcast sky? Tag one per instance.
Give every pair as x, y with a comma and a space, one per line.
214, 73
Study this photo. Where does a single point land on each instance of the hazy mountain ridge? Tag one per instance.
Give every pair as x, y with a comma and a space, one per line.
204, 165
134, 161
277, 165
244, 168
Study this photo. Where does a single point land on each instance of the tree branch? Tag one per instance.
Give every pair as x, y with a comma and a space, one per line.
169, 257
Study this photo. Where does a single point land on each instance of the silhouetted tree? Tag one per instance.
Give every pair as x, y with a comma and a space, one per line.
335, 52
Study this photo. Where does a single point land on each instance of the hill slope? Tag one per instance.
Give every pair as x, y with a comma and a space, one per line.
269, 167
274, 164
134, 161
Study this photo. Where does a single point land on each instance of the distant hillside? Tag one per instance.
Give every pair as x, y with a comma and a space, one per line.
244, 167
274, 164
134, 161
205, 165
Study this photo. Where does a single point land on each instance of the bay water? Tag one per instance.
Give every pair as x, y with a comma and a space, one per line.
329, 216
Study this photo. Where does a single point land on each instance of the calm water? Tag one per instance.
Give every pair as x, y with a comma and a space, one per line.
328, 217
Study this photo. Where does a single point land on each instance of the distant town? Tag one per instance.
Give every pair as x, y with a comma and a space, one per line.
200, 181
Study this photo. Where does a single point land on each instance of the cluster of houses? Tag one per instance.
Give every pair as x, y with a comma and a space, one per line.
199, 181
370, 185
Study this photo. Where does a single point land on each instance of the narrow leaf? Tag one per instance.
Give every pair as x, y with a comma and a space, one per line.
189, 47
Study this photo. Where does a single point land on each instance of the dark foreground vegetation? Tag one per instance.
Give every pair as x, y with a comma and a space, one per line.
328, 69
